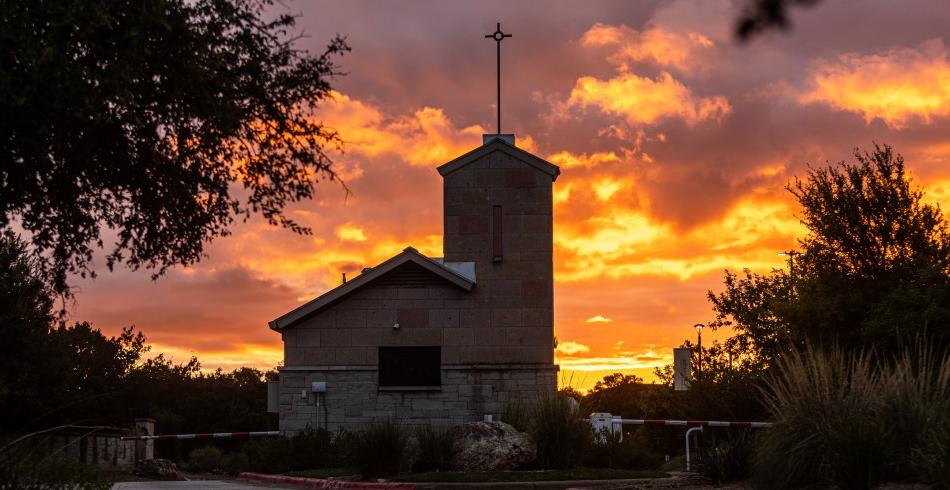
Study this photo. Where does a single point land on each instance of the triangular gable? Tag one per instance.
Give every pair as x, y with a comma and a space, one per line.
409, 255
503, 146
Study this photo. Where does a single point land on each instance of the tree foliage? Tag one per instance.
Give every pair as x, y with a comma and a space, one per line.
762, 15
875, 270
147, 127
53, 374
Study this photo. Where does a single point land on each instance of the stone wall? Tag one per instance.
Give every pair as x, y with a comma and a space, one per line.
516, 292
350, 331
354, 399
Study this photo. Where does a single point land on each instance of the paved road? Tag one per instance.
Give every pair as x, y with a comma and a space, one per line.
190, 485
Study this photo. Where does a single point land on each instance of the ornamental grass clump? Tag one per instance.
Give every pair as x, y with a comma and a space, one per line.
380, 448
854, 421
560, 433
437, 447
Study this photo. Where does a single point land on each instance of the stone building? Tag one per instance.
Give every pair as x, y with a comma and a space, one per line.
440, 340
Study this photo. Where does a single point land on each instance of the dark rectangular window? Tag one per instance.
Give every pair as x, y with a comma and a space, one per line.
496, 238
410, 366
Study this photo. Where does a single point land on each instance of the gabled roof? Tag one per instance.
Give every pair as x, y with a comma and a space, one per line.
498, 144
409, 255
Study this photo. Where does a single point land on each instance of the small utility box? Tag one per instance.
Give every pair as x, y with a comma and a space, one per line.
681, 368
273, 396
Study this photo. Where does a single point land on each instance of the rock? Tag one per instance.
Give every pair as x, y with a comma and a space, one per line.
492, 446
160, 469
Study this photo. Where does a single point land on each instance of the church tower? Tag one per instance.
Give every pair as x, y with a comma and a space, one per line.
498, 215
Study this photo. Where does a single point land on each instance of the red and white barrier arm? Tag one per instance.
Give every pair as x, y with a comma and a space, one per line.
210, 435
696, 423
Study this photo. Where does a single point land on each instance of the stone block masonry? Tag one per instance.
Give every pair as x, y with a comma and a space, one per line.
354, 399
488, 338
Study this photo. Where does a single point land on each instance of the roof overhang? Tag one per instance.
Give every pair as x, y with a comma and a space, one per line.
498, 144
408, 255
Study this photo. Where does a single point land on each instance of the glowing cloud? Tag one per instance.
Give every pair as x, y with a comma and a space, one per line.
897, 86
568, 160
426, 137
645, 360
571, 348
643, 100
655, 45
351, 233
598, 319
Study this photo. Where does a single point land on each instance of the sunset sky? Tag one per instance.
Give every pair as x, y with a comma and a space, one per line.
675, 143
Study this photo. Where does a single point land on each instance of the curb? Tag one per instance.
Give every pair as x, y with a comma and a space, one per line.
319, 483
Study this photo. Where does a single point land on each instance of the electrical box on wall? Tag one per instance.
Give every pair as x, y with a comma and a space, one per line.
318, 387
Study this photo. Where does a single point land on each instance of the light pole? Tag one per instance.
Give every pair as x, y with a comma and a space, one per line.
699, 346
791, 254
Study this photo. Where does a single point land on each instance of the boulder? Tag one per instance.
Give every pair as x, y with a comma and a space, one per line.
159, 469
492, 446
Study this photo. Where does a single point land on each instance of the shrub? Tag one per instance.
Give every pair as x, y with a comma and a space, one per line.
917, 407
728, 460
516, 414
308, 449
845, 419
560, 434
819, 400
51, 474
631, 451
379, 448
204, 459
437, 447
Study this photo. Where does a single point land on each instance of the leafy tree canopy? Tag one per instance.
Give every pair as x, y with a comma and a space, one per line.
875, 270
147, 127
53, 374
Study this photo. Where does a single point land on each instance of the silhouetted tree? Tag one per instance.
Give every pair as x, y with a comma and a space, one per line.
162, 120
875, 270
877, 258
52, 374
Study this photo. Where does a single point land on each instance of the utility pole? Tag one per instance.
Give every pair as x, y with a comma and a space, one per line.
791, 254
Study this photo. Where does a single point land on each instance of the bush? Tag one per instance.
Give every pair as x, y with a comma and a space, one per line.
728, 460
308, 449
51, 474
516, 414
204, 460
845, 419
632, 451
437, 447
379, 449
917, 408
559, 432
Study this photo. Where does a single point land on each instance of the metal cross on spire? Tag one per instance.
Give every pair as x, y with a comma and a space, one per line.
498, 36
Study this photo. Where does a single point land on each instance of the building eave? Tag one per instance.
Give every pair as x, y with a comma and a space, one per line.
408, 255
503, 146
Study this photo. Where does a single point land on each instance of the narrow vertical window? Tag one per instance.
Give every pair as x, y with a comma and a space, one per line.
496, 234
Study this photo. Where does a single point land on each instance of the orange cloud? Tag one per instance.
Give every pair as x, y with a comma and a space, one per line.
351, 233
655, 45
627, 360
427, 137
571, 348
567, 160
643, 100
898, 86
620, 242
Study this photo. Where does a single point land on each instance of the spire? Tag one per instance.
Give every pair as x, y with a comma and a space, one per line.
498, 36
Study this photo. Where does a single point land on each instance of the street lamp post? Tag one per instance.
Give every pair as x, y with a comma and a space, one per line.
699, 346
